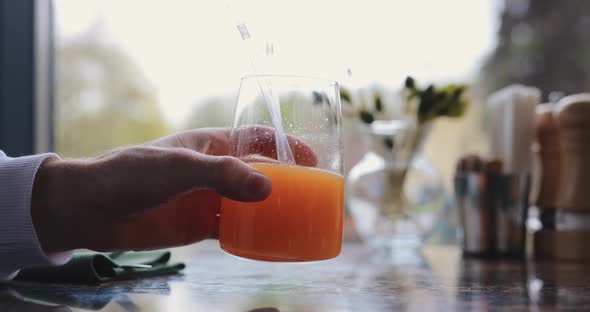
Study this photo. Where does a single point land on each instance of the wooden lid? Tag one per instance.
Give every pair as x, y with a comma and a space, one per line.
545, 118
573, 111
546, 127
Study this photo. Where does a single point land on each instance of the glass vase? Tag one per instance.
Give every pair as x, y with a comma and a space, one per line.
394, 193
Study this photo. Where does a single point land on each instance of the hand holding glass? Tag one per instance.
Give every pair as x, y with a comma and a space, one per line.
302, 218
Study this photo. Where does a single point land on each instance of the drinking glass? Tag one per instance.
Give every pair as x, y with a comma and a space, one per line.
290, 129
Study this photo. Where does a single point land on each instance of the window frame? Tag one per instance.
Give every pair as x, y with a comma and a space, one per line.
27, 80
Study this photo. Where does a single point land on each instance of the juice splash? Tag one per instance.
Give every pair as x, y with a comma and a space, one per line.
300, 221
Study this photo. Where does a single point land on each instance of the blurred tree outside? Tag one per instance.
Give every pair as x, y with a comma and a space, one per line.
217, 111
211, 112
542, 43
103, 98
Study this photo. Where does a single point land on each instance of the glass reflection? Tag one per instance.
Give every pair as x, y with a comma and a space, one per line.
559, 285
12, 301
93, 298
492, 284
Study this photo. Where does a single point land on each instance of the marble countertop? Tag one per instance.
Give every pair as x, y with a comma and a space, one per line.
439, 279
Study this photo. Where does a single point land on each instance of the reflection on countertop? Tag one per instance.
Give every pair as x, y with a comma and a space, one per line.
214, 281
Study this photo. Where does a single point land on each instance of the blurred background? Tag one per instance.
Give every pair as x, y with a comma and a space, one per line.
128, 72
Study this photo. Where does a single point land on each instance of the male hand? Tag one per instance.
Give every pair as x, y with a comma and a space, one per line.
160, 194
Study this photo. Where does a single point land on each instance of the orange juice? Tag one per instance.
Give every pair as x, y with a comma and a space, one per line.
300, 221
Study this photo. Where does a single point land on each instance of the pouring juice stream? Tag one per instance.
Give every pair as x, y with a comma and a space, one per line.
284, 153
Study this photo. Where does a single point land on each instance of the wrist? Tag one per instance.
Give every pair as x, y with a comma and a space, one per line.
46, 207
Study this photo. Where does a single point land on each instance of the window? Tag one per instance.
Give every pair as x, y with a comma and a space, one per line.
130, 72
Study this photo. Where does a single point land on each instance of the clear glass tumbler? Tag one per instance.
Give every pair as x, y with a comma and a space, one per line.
302, 218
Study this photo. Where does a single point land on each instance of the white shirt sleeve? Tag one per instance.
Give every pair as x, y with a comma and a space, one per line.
19, 245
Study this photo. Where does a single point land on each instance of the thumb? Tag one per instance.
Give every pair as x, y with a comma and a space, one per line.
231, 177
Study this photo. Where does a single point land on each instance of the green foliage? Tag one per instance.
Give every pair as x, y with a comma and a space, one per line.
388, 143
426, 104
409, 83
103, 99
345, 96
552, 55
434, 102
378, 103
212, 112
366, 116
218, 111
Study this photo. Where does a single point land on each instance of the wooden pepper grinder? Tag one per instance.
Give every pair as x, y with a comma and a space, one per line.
573, 118
546, 178
548, 156
572, 222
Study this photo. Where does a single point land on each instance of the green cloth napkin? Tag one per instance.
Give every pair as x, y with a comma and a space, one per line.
93, 268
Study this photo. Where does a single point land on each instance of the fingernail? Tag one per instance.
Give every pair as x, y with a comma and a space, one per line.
258, 184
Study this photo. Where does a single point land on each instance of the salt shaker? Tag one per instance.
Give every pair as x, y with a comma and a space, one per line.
511, 111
